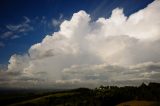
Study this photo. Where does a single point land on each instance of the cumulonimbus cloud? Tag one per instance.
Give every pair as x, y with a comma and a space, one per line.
118, 50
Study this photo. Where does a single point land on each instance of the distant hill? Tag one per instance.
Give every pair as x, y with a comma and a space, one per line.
144, 95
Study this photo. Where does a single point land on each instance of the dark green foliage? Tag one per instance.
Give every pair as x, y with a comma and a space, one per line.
102, 96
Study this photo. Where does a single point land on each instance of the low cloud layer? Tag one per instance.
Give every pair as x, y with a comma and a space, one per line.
118, 50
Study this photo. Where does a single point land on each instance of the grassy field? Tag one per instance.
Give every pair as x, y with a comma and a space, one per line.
139, 103
44, 99
144, 95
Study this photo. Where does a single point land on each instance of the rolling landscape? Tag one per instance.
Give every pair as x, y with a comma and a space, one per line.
144, 95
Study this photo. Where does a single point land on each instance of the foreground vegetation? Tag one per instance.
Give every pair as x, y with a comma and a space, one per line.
145, 95
139, 103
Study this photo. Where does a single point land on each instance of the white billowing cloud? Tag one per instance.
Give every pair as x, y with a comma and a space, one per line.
118, 50
143, 24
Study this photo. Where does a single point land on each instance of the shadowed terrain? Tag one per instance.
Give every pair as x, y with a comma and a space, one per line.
144, 95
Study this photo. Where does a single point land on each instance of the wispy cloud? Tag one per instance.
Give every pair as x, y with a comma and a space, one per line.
27, 20
17, 30
1, 44
57, 22
7, 34
43, 20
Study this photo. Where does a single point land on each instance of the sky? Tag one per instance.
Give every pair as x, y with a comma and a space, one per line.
79, 43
